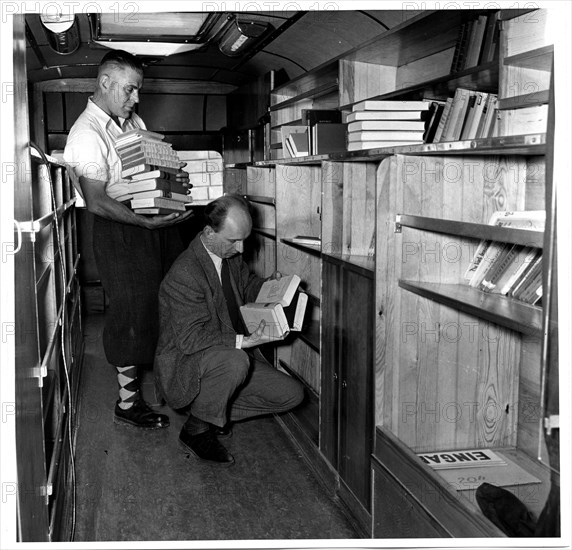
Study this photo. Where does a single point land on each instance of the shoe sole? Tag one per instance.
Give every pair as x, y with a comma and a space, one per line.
125, 422
186, 449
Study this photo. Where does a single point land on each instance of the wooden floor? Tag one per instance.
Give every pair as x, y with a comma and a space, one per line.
137, 485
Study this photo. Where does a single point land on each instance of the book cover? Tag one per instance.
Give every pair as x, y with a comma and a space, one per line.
476, 42
526, 255
386, 125
296, 310
298, 144
461, 459
286, 130
313, 116
474, 115
390, 105
490, 39
279, 290
276, 324
328, 137
457, 107
387, 135
139, 133
386, 115
432, 123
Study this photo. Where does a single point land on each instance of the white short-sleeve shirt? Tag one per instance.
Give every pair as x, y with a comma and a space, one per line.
90, 148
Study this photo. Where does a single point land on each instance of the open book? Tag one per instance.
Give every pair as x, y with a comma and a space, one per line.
280, 304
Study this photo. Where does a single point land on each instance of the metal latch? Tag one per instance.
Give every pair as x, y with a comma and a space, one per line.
397, 226
40, 372
552, 422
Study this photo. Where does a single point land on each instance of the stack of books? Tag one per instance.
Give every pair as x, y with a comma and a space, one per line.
509, 269
374, 124
152, 165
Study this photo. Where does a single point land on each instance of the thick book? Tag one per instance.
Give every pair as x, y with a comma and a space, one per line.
274, 295
296, 310
386, 125
490, 40
154, 173
456, 118
474, 115
155, 193
298, 145
328, 137
158, 202
362, 145
139, 132
387, 135
475, 42
470, 458
313, 116
156, 184
286, 130
390, 105
443, 120
146, 167
386, 115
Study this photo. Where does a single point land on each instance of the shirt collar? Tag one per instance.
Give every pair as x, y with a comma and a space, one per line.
105, 120
217, 260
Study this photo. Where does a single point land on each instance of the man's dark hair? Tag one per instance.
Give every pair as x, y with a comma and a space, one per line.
120, 59
216, 212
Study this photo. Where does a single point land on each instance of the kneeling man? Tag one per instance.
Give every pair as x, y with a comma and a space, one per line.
205, 360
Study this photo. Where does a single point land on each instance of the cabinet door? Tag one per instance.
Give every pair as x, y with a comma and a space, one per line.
331, 356
356, 415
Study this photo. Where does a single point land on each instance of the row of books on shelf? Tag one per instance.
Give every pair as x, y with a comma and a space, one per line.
477, 42
374, 124
509, 269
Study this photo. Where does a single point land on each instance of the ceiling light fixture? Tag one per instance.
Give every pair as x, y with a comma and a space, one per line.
61, 32
241, 35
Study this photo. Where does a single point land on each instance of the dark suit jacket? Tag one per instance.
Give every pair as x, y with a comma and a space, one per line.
193, 317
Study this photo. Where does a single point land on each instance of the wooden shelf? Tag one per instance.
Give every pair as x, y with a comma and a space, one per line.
539, 59
483, 78
526, 145
319, 91
312, 249
532, 99
365, 265
262, 200
472, 230
311, 335
269, 232
501, 310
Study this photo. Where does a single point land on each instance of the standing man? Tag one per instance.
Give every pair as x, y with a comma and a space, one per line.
205, 359
132, 252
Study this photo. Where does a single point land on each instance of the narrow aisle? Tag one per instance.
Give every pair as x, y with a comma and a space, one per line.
138, 485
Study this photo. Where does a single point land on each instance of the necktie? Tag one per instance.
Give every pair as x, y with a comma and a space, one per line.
233, 310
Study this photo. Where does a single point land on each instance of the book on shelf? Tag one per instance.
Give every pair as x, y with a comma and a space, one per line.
390, 105
488, 251
416, 115
286, 130
474, 113
387, 135
470, 458
432, 121
274, 297
461, 45
328, 137
443, 120
528, 288
456, 117
386, 125
484, 127
306, 239
525, 256
475, 42
298, 145
491, 38
364, 145
158, 202
313, 116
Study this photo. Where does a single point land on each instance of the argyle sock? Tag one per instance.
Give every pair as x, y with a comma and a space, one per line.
195, 426
128, 386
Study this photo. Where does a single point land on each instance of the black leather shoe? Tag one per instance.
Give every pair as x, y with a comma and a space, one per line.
140, 415
206, 447
222, 433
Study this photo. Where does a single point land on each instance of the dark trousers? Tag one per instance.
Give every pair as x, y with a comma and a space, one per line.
132, 262
235, 385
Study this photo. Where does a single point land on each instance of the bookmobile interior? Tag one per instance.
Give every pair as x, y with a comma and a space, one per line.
399, 356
